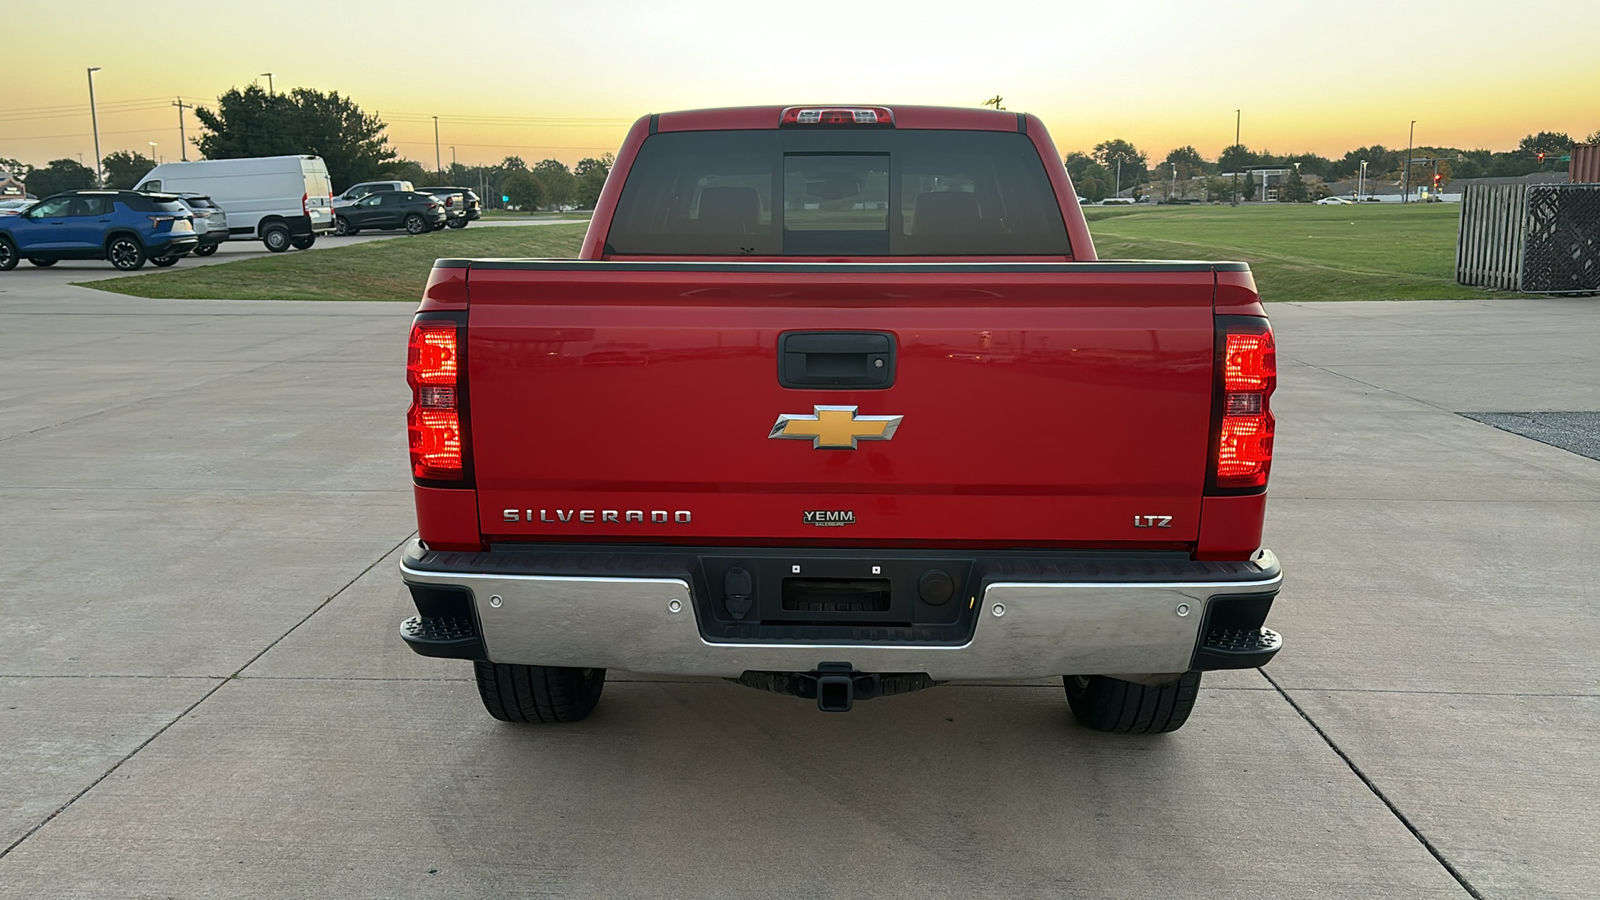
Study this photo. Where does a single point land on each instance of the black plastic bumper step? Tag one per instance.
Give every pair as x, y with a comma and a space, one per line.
451, 637
1238, 648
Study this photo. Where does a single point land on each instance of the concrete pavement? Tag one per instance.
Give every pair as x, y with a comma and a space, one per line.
202, 693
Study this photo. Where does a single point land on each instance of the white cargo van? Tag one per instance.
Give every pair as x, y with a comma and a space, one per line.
285, 201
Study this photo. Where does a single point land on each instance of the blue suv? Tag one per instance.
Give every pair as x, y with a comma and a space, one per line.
125, 227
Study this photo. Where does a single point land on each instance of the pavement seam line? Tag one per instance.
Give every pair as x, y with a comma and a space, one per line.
1372, 786
203, 698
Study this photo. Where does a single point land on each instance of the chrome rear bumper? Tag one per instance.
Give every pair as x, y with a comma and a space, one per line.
1023, 629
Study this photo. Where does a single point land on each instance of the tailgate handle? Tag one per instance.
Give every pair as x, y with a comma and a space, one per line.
837, 360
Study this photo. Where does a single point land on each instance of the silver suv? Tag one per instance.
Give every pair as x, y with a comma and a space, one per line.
210, 222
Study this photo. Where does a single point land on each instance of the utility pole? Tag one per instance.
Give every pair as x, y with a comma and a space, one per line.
1174, 183
1410, 141
269, 82
438, 162
1238, 119
452, 161
95, 118
183, 142
1118, 194
1361, 182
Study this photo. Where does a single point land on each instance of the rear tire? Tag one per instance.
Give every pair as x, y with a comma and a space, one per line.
416, 225
304, 243
8, 254
126, 253
341, 226
1103, 703
276, 237
41, 263
162, 262
458, 223
206, 249
513, 693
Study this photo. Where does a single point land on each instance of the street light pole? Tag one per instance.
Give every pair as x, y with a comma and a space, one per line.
452, 162
1410, 142
438, 160
1174, 182
95, 119
1361, 182
1238, 119
153, 157
269, 82
1118, 194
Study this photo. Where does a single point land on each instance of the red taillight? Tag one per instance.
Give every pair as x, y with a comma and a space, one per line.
305, 206
838, 115
434, 421
1248, 373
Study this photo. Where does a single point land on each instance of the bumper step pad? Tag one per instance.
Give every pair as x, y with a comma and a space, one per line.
451, 637
1238, 648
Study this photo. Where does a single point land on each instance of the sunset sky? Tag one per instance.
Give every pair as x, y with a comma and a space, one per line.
541, 79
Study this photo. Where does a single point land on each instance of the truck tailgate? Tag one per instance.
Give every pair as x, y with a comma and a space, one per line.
1041, 404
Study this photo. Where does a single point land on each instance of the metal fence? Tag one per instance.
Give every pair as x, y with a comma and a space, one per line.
1538, 239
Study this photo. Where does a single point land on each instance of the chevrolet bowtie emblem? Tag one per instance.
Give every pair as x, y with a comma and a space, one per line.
835, 428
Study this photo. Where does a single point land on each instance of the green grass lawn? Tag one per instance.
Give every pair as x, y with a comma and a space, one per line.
1302, 252
394, 269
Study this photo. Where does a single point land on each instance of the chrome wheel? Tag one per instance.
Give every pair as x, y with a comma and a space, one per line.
415, 225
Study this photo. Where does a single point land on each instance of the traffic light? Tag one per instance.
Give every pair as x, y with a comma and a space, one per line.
1541, 156
1436, 177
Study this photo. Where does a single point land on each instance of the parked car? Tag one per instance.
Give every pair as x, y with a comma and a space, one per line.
473, 205
387, 210
13, 206
365, 188
125, 227
1333, 201
284, 201
210, 222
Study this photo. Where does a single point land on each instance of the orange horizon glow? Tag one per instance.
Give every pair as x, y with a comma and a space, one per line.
509, 78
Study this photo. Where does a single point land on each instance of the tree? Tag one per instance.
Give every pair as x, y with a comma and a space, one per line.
60, 175
1134, 163
409, 170
1593, 138
1379, 159
591, 175
16, 167
253, 122
559, 184
1309, 164
124, 168
1294, 188
1550, 143
525, 190
1237, 158
1089, 178
1187, 160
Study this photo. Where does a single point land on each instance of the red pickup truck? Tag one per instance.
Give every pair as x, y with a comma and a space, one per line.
838, 402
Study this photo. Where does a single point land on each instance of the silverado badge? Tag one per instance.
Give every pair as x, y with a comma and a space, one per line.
835, 427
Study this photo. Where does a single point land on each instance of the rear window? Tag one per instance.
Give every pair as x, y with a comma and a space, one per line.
838, 193
169, 206
200, 202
